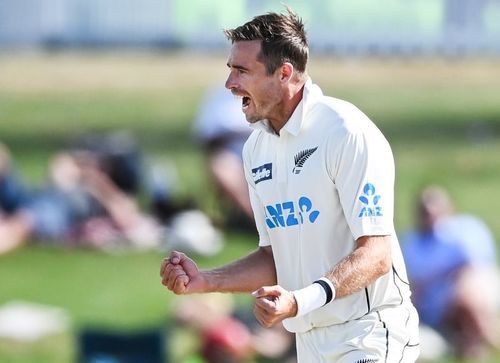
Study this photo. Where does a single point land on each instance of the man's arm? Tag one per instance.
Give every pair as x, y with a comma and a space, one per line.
370, 259
181, 275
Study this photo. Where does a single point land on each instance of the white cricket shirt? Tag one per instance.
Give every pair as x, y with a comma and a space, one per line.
325, 181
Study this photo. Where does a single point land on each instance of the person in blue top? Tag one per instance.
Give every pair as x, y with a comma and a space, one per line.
451, 262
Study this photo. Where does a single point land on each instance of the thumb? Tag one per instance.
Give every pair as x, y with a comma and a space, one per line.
175, 257
267, 291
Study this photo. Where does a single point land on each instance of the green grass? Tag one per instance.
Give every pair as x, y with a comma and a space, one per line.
117, 292
442, 119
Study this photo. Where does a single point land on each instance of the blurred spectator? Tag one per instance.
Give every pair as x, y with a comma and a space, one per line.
13, 226
79, 205
12, 192
227, 337
223, 339
451, 261
222, 130
91, 200
176, 223
117, 155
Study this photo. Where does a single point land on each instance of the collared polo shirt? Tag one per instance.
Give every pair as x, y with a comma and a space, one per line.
324, 181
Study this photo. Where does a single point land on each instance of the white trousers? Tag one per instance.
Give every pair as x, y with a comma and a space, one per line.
386, 336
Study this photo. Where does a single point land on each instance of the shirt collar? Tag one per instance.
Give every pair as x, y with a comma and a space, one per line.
294, 123
263, 125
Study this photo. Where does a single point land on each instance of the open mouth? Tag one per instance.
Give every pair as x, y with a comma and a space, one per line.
245, 102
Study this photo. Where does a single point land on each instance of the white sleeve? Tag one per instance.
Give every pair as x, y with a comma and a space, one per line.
257, 206
362, 168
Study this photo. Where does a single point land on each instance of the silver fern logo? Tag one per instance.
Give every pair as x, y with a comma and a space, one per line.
301, 158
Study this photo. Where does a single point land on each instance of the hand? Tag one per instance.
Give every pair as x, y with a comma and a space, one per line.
180, 274
273, 304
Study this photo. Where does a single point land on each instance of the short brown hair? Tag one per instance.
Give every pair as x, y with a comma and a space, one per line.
283, 39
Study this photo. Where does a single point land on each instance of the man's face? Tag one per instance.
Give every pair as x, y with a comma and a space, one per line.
261, 93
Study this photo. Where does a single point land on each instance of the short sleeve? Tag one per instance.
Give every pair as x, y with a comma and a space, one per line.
257, 207
362, 168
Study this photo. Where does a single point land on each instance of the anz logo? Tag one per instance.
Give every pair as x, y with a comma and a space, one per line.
289, 214
370, 201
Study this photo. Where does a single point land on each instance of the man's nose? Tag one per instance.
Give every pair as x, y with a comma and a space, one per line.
230, 82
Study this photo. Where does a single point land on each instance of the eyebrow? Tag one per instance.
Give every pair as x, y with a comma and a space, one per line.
236, 67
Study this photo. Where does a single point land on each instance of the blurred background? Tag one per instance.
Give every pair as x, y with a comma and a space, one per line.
112, 154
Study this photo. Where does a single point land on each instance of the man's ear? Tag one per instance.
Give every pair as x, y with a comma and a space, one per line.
286, 72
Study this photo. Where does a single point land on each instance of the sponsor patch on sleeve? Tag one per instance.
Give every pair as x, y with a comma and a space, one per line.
263, 172
370, 202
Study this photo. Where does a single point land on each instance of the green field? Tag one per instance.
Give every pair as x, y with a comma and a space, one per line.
441, 117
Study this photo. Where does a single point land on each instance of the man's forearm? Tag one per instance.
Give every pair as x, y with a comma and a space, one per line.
370, 260
244, 275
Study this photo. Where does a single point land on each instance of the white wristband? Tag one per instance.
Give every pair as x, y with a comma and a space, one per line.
313, 296
329, 288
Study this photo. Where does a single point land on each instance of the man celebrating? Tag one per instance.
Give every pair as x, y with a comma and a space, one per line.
321, 182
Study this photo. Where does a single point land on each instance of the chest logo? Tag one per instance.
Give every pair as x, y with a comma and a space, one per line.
301, 158
370, 202
289, 213
263, 172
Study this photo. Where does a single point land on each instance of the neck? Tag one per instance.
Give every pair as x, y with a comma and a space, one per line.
290, 102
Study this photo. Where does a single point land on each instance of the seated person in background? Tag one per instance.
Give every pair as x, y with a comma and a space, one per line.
116, 172
12, 191
13, 195
451, 262
90, 200
120, 217
228, 335
222, 129
80, 205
